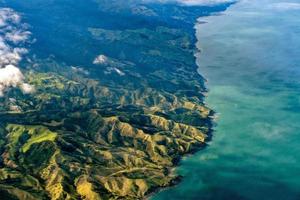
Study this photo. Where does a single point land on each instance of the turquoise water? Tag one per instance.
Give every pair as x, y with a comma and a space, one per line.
251, 58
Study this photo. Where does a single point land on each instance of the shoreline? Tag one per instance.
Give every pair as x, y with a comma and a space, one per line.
213, 116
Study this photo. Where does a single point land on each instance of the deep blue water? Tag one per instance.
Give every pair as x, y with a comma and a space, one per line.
251, 58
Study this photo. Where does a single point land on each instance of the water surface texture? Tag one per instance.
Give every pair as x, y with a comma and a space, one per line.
251, 57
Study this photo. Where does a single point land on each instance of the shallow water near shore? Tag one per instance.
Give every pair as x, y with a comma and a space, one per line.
251, 58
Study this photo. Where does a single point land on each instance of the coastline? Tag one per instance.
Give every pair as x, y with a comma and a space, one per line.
213, 117
213, 114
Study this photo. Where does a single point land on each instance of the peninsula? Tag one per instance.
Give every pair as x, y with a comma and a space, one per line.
115, 100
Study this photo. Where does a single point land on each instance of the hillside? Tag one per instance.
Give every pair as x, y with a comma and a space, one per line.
115, 128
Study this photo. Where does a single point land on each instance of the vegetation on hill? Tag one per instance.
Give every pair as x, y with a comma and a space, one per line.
115, 128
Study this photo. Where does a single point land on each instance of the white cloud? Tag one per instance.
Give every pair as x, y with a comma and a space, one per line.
17, 36
27, 88
285, 6
10, 76
194, 2
80, 70
110, 70
203, 2
101, 59
8, 16
12, 35
118, 71
110, 64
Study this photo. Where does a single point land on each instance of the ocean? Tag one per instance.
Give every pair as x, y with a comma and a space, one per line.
250, 55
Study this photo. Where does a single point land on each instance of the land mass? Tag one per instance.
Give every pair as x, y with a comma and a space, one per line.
114, 128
